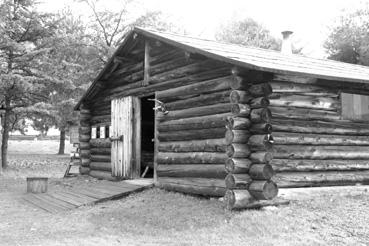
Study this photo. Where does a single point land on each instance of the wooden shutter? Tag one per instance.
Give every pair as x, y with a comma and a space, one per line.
355, 107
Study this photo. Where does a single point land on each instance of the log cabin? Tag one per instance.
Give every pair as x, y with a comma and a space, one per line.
218, 119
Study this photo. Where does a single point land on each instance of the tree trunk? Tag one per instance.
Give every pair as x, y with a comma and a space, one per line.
4, 145
62, 142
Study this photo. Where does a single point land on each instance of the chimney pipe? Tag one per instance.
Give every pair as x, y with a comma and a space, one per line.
286, 42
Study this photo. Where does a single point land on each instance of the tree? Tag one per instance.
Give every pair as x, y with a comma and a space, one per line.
109, 27
247, 32
348, 40
73, 61
22, 81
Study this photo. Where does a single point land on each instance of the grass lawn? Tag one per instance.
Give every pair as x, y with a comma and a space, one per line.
328, 216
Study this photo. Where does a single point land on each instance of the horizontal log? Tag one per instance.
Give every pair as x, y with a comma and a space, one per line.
84, 170
240, 110
84, 117
260, 90
84, 145
198, 186
264, 141
341, 128
298, 88
236, 165
190, 69
85, 162
84, 153
261, 128
208, 86
84, 123
238, 181
101, 112
259, 102
261, 171
263, 190
237, 199
318, 139
320, 152
237, 136
299, 101
100, 158
136, 89
102, 166
199, 100
238, 123
237, 96
191, 158
84, 111
202, 122
249, 77
84, 138
327, 178
238, 150
196, 171
156, 70
195, 112
100, 143
192, 134
102, 175
100, 151
304, 114
208, 145
291, 165
86, 130
100, 119
260, 115
261, 157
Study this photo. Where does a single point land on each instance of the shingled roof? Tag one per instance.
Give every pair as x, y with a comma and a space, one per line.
255, 58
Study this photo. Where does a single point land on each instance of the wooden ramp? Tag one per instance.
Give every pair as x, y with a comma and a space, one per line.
55, 201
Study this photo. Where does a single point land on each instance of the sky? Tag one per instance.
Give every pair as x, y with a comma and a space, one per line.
308, 19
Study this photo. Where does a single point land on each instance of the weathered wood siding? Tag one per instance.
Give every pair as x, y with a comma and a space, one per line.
313, 144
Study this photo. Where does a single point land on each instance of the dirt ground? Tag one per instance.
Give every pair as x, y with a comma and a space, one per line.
315, 216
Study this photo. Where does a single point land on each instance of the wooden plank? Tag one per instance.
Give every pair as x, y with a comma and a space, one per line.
55, 201
156, 142
65, 198
139, 182
124, 184
75, 193
147, 63
115, 189
103, 191
45, 204
40, 204
92, 194
75, 199
128, 137
136, 139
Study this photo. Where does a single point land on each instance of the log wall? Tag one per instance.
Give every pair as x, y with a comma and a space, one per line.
313, 145
227, 132
84, 139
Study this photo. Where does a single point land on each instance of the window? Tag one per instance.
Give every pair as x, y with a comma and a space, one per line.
102, 132
93, 132
355, 107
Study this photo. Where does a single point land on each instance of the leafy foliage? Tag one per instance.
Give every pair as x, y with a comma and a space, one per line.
23, 82
247, 32
349, 38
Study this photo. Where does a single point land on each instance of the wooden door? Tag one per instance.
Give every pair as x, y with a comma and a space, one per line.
126, 137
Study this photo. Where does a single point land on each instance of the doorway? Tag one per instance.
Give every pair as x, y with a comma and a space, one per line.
147, 136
